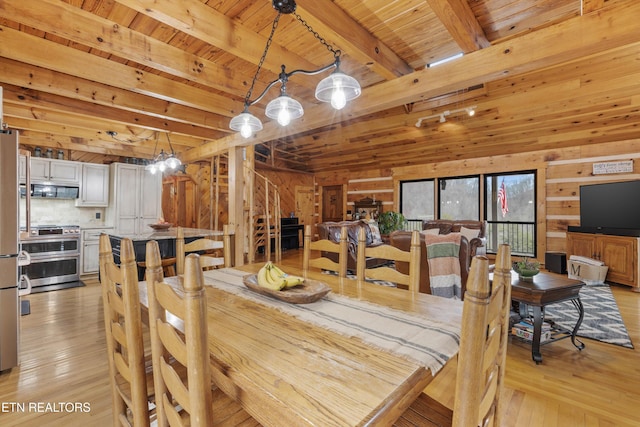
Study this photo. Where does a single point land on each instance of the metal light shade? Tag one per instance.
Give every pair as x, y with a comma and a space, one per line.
284, 109
245, 123
338, 88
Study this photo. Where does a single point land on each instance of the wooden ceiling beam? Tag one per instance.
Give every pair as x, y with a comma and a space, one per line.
18, 110
40, 100
575, 38
459, 20
195, 18
325, 17
82, 27
55, 141
40, 52
47, 81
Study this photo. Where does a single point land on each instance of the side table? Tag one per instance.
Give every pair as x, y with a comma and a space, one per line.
545, 289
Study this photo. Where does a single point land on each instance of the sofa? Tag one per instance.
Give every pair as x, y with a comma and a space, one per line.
469, 247
331, 231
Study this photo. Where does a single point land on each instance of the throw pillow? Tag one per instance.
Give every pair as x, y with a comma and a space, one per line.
376, 237
469, 233
432, 231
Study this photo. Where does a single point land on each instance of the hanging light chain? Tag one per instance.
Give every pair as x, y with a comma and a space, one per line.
336, 53
264, 55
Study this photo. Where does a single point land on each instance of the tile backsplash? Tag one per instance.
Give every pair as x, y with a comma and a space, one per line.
60, 212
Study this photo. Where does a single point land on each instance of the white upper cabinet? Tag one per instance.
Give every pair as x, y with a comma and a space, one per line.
63, 172
94, 186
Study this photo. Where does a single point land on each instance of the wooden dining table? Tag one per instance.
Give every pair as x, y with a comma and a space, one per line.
287, 371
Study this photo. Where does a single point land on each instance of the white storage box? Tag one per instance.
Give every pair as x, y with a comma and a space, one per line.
589, 274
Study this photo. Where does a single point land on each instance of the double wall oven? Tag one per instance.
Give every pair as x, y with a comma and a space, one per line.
54, 253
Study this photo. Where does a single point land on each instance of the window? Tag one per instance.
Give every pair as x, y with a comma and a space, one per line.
417, 202
459, 198
510, 210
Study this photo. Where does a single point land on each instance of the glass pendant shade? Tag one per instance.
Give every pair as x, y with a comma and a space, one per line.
151, 167
338, 89
245, 123
284, 109
173, 162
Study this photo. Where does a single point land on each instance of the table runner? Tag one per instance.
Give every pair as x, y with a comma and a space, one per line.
425, 341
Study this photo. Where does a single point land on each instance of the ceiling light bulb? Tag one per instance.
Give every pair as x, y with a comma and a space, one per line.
284, 118
151, 168
245, 130
162, 166
338, 98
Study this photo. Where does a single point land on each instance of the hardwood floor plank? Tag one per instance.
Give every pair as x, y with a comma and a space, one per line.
63, 360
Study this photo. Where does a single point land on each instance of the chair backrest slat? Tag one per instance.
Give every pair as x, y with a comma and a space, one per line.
483, 344
324, 246
391, 253
187, 302
204, 244
123, 329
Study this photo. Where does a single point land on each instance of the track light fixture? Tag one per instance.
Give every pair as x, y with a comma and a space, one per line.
337, 88
471, 111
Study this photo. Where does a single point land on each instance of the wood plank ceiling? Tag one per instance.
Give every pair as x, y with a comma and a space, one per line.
113, 78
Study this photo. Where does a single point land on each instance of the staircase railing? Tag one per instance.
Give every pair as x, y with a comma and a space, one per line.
264, 218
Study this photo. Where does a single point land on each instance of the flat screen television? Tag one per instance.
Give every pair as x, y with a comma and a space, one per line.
610, 206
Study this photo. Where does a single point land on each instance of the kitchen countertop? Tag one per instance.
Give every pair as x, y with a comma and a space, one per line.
170, 233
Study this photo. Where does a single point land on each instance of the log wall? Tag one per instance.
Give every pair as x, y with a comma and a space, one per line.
561, 172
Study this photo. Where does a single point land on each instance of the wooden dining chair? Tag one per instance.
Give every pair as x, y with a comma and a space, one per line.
131, 381
391, 253
482, 355
184, 338
209, 258
325, 245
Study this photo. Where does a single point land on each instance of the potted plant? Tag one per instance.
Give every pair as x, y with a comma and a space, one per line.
526, 268
390, 221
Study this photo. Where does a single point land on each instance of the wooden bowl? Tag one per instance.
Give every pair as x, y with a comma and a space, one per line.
308, 292
160, 226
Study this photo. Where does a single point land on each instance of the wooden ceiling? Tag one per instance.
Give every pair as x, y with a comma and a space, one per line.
114, 77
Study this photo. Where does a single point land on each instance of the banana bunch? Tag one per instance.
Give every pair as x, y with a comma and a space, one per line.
272, 277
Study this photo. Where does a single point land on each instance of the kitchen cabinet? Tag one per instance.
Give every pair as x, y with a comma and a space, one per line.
63, 172
89, 255
94, 186
619, 253
135, 197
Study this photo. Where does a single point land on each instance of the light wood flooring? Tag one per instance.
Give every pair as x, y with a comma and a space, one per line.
62, 379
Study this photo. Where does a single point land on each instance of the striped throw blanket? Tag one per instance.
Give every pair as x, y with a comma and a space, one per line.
443, 252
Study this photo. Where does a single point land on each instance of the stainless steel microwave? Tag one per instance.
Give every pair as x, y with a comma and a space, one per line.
44, 191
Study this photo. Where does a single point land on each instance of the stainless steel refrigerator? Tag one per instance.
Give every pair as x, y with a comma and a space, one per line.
9, 235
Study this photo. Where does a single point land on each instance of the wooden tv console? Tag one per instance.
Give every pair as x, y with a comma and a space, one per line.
619, 253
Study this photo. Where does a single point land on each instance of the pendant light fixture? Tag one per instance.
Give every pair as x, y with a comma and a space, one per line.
337, 89
163, 160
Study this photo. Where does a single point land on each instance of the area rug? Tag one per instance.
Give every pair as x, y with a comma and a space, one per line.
602, 320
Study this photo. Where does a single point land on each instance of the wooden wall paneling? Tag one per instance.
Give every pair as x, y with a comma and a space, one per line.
560, 173
286, 183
